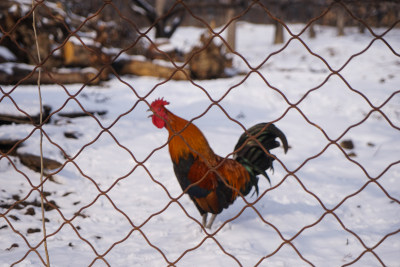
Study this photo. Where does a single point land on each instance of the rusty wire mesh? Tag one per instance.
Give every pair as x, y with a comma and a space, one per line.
35, 247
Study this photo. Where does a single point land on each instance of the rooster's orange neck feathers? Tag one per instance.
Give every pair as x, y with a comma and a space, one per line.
186, 138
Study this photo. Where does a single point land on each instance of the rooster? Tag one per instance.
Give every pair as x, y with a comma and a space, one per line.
213, 182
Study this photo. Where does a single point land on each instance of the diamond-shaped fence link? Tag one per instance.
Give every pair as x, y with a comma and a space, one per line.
94, 226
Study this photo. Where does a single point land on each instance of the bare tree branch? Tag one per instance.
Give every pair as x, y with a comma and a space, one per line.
165, 25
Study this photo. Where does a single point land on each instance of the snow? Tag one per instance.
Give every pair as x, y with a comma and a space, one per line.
6, 54
324, 207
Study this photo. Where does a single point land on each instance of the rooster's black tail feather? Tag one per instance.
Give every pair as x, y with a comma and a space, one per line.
252, 156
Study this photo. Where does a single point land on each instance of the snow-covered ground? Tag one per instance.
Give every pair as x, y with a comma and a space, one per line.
324, 208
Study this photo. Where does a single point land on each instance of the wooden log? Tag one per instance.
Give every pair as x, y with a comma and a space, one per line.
148, 68
7, 144
20, 119
69, 76
29, 160
76, 55
33, 162
81, 114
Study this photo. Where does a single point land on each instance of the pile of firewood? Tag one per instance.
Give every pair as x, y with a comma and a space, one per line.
74, 49
208, 60
63, 53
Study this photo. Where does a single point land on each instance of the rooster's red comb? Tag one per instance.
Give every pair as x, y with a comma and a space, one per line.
159, 102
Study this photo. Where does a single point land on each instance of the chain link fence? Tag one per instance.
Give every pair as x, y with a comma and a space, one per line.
95, 227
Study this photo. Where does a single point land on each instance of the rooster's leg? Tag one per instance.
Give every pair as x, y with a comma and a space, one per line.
205, 219
210, 222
